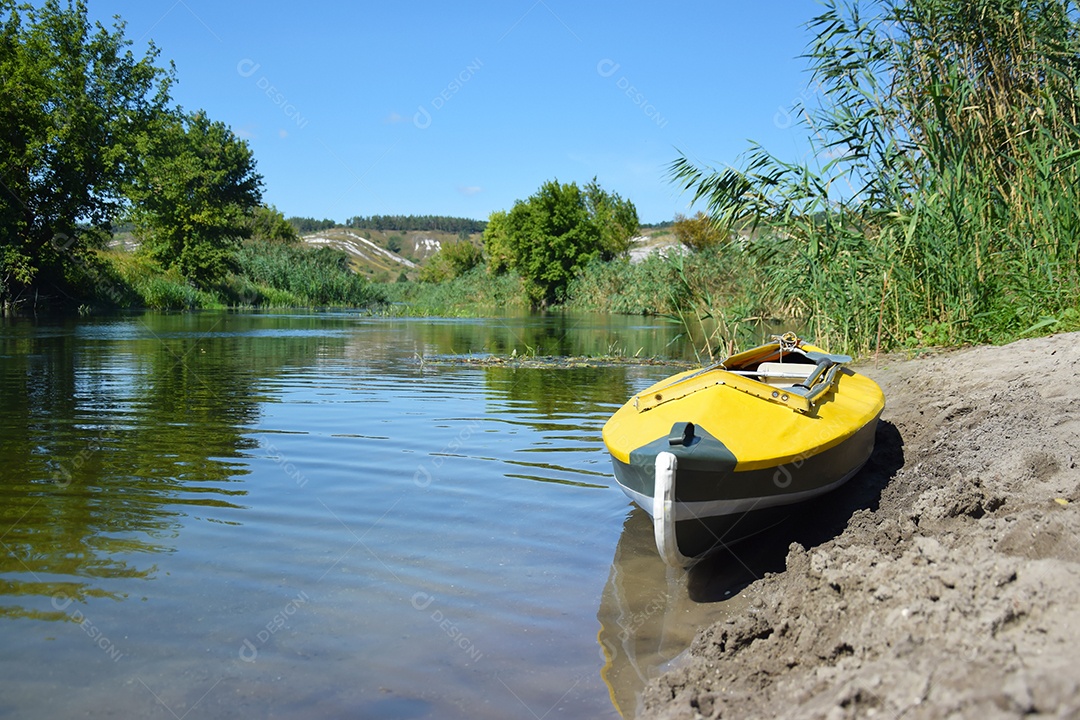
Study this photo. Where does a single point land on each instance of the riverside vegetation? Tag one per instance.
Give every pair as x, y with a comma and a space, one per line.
941, 207
91, 142
946, 205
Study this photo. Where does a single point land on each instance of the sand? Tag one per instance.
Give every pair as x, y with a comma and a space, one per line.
949, 587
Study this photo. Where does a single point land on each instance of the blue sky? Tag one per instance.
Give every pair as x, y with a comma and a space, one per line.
443, 108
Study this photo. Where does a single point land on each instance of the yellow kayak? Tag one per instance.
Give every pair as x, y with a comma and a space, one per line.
717, 454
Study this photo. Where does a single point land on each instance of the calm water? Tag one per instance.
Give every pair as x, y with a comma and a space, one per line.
231, 515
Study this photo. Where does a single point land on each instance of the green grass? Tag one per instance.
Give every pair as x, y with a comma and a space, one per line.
137, 281
473, 294
945, 207
315, 277
713, 295
268, 275
650, 287
662, 285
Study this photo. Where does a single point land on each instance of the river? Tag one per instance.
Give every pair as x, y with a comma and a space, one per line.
322, 515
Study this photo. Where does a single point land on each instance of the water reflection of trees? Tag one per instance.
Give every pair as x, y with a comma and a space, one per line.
117, 432
568, 407
552, 334
550, 393
113, 433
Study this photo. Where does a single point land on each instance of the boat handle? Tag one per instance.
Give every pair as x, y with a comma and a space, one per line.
822, 365
685, 438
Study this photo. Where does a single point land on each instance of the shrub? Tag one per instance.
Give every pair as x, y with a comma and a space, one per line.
454, 259
475, 293
319, 276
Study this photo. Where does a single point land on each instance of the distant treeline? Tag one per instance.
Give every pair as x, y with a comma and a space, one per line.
399, 223
404, 223
307, 225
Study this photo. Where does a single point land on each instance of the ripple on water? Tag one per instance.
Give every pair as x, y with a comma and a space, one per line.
289, 513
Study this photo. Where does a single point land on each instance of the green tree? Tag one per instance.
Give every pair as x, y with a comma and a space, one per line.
393, 243
616, 218
72, 100
698, 232
196, 188
454, 258
267, 223
309, 225
404, 223
497, 243
553, 235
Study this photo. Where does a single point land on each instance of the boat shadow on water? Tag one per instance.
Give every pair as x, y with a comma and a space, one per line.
649, 612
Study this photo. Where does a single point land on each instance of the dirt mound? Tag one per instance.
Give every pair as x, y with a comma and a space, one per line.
956, 594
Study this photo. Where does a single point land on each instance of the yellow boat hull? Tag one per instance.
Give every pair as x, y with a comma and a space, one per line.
745, 440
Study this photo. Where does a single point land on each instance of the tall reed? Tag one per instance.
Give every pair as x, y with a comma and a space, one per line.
294, 274
474, 293
946, 202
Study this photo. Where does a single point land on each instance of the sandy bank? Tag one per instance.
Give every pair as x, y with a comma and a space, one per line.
953, 588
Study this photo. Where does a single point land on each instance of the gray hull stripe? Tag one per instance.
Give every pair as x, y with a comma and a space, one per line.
719, 508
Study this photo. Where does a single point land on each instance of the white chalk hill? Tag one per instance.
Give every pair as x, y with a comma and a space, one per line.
369, 250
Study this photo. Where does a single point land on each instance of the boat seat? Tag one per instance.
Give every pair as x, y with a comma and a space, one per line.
783, 374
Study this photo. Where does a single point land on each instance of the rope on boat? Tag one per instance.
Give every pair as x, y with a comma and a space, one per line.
788, 341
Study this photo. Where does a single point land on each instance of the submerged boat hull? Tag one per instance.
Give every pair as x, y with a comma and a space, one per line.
720, 454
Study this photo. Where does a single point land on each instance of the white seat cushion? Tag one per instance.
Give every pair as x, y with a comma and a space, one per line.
784, 374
